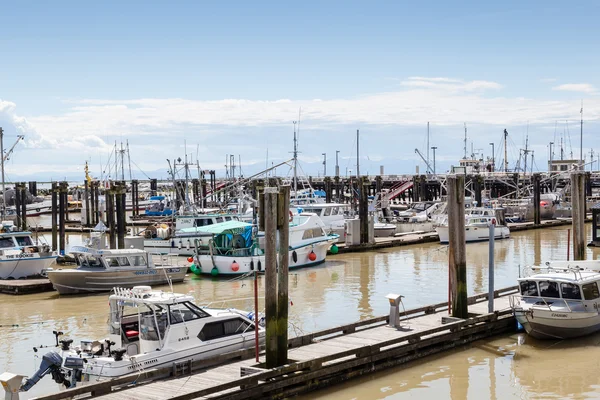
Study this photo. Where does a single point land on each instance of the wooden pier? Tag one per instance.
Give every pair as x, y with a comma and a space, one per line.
317, 360
25, 286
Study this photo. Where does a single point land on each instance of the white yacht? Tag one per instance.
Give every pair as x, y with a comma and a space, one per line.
20, 256
559, 300
149, 329
231, 249
477, 222
101, 270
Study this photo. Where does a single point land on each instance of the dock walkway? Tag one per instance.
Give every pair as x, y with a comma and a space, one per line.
321, 358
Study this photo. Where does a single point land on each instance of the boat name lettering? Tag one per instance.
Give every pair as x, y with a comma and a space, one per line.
172, 270
22, 255
183, 338
559, 315
145, 272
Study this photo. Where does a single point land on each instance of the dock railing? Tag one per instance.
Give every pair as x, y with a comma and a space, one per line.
363, 354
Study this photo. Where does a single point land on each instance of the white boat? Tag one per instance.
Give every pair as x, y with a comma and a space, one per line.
477, 222
160, 238
101, 270
559, 300
231, 249
149, 329
20, 257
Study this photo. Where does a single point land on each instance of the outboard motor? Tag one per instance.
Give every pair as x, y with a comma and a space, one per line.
51, 363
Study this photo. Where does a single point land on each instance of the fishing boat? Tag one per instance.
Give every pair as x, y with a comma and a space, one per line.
477, 223
149, 329
559, 300
230, 248
100, 270
164, 239
159, 206
20, 256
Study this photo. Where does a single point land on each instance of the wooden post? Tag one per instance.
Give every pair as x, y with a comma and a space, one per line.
109, 196
457, 245
536, 199
86, 194
363, 209
54, 215
283, 225
578, 207
23, 194
62, 216
270, 218
18, 205
120, 208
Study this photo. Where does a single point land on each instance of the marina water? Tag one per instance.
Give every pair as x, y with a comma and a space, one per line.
347, 288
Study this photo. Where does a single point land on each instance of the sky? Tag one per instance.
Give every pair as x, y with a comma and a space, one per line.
211, 79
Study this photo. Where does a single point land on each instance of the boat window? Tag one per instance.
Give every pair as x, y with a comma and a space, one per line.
211, 331
590, 291
93, 261
549, 289
529, 288
570, 291
334, 210
138, 260
111, 261
6, 242
197, 310
235, 326
123, 261
227, 218
327, 212
219, 219
24, 241
308, 234
179, 313
148, 328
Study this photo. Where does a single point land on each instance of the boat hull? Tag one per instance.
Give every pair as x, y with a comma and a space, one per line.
25, 265
475, 233
542, 325
246, 264
76, 281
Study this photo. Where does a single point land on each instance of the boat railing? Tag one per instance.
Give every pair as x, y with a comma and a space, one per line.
517, 298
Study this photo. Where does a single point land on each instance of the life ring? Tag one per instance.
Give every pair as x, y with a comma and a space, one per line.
291, 216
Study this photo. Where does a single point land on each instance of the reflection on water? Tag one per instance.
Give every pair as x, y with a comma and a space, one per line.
510, 367
345, 289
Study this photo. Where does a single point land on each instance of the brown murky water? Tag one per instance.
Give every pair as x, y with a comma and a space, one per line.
345, 289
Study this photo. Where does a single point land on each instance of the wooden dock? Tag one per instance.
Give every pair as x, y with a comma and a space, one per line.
25, 286
317, 360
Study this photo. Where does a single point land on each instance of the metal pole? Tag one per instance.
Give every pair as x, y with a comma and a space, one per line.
493, 157
337, 166
434, 148
324, 164
491, 270
2, 167
357, 154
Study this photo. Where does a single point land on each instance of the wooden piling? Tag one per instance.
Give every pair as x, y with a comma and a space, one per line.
62, 212
18, 205
97, 202
109, 196
363, 209
120, 193
457, 252
578, 214
86, 194
283, 226
54, 215
536, 199
270, 218
23, 194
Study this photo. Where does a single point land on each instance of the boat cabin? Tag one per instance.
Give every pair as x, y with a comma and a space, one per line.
89, 258
197, 221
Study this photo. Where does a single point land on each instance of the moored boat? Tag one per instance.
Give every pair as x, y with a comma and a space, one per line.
20, 256
477, 223
101, 270
559, 300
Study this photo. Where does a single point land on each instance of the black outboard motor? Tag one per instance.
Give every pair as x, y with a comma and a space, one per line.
51, 363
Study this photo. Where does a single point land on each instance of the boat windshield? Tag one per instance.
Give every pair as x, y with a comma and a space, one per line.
529, 288
549, 289
88, 260
6, 242
24, 240
149, 330
418, 207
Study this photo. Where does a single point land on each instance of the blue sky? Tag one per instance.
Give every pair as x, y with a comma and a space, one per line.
231, 76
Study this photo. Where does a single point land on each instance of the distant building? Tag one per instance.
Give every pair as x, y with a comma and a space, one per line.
563, 165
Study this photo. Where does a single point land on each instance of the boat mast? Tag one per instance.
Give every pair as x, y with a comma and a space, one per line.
122, 152
129, 161
2, 167
295, 161
581, 140
505, 152
357, 155
465, 148
427, 146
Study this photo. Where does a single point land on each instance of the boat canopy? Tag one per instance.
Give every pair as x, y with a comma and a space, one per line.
228, 228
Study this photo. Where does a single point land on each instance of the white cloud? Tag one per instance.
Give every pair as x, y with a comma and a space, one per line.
449, 84
577, 87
